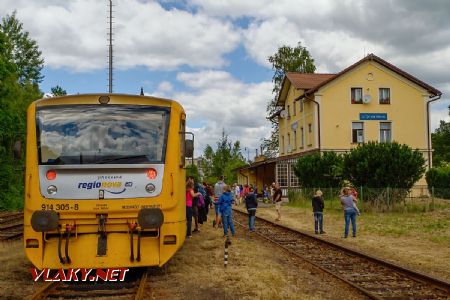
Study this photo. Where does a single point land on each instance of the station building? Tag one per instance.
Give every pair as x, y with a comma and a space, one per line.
371, 100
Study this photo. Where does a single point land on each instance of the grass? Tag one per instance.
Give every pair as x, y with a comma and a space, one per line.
432, 225
416, 239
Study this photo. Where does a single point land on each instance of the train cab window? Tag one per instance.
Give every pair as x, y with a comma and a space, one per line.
93, 134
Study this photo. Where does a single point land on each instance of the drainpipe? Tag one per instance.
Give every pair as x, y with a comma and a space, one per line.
428, 128
318, 117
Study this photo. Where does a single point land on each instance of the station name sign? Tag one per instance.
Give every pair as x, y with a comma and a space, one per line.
373, 116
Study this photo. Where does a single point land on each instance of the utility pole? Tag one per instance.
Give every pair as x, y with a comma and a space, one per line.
110, 38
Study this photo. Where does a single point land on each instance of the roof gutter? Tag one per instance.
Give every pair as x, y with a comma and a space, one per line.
428, 127
318, 117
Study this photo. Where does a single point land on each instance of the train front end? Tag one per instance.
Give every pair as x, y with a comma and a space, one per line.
104, 182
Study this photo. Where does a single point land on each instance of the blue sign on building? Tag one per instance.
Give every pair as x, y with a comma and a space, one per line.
373, 116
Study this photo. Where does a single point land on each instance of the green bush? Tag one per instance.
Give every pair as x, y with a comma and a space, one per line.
318, 170
439, 179
379, 165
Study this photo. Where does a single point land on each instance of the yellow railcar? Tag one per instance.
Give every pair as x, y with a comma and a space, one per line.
104, 181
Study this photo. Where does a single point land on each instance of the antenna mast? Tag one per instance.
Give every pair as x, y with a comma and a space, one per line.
110, 38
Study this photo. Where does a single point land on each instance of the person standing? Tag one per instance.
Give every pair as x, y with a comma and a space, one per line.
189, 211
318, 205
348, 202
237, 194
277, 200
251, 203
225, 203
218, 191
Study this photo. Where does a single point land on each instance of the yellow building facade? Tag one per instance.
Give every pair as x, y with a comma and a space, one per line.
372, 100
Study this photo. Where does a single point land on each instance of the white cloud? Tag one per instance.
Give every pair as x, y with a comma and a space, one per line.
165, 86
73, 34
217, 101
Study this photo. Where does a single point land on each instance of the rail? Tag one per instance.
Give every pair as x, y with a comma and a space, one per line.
374, 277
133, 289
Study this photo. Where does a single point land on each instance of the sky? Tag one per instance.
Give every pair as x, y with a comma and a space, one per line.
211, 55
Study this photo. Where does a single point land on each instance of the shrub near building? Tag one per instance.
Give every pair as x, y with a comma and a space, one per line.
438, 180
380, 165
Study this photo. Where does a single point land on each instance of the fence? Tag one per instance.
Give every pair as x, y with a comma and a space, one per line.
418, 198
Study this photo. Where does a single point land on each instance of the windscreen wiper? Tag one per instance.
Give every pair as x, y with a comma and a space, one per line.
115, 159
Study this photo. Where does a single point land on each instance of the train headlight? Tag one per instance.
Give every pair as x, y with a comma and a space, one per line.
150, 218
150, 188
44, 220
51, 190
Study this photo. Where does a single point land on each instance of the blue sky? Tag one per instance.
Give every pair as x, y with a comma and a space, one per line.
211, 55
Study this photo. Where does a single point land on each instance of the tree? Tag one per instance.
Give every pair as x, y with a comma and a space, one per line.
192, 170
18, 88
286, 59
319, 171
380, 165
441, 143
223, 161
58, 91
24, 51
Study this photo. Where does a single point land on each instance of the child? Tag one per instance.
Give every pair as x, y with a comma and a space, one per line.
251, 204
318, 205
225, 202
354, 193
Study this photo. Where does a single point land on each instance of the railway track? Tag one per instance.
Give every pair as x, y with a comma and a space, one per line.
132, 288
373, 277
11, 225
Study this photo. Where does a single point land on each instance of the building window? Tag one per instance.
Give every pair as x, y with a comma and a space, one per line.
294, 108
293, 180
282, 144
302, 138
309, 134
357, 132
385, 132
288, 142
385, 96
288, 111
356, 95
301, 105
295, 139
282, 174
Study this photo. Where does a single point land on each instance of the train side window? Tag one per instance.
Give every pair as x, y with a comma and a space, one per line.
182, 142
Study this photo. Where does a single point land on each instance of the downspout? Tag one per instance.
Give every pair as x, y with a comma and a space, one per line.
318, 117
428, 128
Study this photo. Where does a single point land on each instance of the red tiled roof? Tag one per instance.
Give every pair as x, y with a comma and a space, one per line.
373, 57
306, 81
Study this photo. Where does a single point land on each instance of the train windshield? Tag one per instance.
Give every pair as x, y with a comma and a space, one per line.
101, 134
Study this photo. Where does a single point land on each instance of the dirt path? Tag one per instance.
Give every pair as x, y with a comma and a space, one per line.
256, 270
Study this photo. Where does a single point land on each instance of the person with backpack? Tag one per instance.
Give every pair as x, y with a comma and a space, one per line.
251, 203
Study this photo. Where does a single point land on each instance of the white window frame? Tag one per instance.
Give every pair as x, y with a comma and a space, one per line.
362, 95
390, 95
363, 133
390, 129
